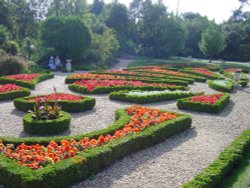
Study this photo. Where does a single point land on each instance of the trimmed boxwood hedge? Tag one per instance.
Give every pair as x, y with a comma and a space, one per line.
122, 96
217, 77
243, 80
185, 104
46, 127
86, 163
30, 85
225, 164
14, 94
105, 90
87, 103
228, 88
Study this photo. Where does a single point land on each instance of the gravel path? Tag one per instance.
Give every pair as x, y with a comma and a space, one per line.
168, 164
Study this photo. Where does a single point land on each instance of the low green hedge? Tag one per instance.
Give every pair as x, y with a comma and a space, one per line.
87, 103
123, 96
46, 127
223, 88
217, 77
86, 163
225, 164
243, 80
228, 75
185, 104
14, 94
105, 90
30, 85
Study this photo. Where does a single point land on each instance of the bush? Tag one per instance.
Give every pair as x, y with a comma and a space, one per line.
223, 88
11, 65
67, 35
204, 107
12, 47
123, 96
87, 103
30, 85
46, 127
81, 166
92, 56
14, 94
230, 157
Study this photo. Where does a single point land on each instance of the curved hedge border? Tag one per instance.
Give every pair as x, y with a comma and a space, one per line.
14, 94
30, 85
243, 80
228, 88
105, 90
185, 104
46, 127
230, 157
122, 96
210, 77
81, 166
87, 103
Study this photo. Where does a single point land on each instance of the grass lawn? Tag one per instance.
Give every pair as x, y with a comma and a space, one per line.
241, 175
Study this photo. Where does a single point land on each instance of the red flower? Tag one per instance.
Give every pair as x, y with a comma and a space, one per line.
23, 77
209, 99
58, 97
9, 87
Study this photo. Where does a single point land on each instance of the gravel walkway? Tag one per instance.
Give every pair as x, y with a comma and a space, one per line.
168, 164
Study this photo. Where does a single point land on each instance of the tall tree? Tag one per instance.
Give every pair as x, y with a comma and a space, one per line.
212, 41
97, 7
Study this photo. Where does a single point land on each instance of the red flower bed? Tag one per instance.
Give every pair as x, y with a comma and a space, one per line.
202, 71
233, 70
92, 84
37, 156
168, 72
9, 87
95, 76
58, 97
209, 99
23, 77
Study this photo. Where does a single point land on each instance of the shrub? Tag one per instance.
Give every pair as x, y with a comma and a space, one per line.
225, 86
14, 94
11, 65
67, 35
46, 127
12, 47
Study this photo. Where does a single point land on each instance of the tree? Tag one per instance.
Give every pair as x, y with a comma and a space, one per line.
3, 35
212, 41
97, 7
67, 35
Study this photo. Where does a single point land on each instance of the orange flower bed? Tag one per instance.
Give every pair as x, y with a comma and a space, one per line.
38, 156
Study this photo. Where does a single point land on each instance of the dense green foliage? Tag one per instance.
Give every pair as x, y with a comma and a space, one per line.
67, 35
11, 65
14, 94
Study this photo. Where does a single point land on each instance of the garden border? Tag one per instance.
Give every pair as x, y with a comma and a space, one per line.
14, 94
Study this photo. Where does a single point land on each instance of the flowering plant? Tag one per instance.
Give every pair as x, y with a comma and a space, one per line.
92, 84
23, 77
37, 156
208, 99
58, 97
9, 87
202, 71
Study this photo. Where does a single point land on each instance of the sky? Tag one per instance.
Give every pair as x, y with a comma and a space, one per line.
219, 10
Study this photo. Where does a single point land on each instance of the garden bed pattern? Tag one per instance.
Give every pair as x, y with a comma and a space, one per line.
221, 85
67, 102
143, 97
25, 80
76, 158
12, 91
205, 103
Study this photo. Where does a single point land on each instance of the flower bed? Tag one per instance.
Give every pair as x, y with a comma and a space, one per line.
205, 103
226, 162
68, 102
107, 86
221, 85
64, 160
143, 97
173, 73
12, 91
25, 80
202, 72
78, 77
46, 127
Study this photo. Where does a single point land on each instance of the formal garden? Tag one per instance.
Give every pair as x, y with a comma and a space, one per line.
110, 94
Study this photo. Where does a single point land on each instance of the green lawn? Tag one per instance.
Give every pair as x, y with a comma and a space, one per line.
240, 177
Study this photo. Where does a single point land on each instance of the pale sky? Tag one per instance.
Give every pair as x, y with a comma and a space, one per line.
220, 10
